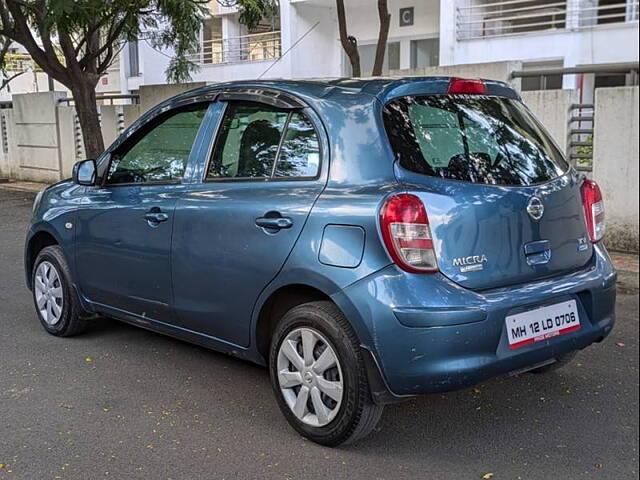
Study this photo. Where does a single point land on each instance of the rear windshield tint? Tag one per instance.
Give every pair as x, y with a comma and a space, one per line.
477, 139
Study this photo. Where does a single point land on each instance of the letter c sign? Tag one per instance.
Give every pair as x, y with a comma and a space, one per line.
406, 17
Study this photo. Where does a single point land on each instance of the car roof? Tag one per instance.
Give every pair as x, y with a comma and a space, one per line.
385, 89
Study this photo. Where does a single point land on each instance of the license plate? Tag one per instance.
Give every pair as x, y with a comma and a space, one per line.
542, 323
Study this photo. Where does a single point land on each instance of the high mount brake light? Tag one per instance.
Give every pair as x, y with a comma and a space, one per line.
593, 210
466, 86
406, 233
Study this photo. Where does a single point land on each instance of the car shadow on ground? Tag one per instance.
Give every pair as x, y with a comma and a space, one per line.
508, 414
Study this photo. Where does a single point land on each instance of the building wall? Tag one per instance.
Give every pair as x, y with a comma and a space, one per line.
362, 17
309, 42
319, 53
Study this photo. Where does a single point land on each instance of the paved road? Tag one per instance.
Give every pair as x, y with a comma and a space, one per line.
149, 407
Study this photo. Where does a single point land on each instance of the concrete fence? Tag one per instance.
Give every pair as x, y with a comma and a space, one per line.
552, 107
615, 162
41, 140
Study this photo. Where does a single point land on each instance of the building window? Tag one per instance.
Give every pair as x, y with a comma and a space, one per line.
212, 44
368, 58
425, 53
611, 80
542, 82
134, 58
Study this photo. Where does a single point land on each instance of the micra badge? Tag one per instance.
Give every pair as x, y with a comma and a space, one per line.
472, 263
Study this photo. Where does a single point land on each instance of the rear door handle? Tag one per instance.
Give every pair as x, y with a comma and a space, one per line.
274, 223
156, 217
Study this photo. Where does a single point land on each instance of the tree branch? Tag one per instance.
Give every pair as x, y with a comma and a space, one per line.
383, 35
7, 80
349, 43
115, 32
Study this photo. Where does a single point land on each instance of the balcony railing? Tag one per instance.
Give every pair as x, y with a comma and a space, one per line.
20, 62
248, 48
491, 18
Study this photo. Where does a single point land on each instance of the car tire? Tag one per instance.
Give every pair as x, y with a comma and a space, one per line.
54, 297
343, 415
557, 365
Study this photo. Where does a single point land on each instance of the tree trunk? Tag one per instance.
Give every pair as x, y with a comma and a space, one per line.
84, 98
349, 44
383, 35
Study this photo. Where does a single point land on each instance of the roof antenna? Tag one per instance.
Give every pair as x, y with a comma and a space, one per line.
289, 49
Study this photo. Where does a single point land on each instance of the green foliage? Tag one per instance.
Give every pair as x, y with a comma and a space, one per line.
76, 41
252, 11
93, 31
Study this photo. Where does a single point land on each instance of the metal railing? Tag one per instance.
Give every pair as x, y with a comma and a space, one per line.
20, 62
495, 18
580, 132
247, 48
630, 68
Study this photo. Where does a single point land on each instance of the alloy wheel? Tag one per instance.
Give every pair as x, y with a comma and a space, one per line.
49, 294
310, 377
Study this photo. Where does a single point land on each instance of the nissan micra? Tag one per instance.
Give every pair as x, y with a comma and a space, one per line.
367, 240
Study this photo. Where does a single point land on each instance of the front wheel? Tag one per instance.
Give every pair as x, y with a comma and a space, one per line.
56, 303
318, 375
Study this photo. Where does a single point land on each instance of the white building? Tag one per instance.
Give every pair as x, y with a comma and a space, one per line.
304, 42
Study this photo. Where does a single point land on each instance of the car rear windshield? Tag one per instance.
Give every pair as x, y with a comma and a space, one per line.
477, 139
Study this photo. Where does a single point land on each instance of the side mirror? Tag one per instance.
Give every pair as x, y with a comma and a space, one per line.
84, 172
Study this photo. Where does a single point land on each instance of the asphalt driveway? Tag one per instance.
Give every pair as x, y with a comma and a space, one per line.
120, 402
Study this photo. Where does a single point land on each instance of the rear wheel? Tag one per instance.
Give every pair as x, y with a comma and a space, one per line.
557, 365
56, 303
318, 375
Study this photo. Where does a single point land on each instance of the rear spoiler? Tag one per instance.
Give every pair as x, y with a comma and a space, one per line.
445, 85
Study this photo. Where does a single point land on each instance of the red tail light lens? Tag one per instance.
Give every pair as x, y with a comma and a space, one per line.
406, 234
593, 210
465, 86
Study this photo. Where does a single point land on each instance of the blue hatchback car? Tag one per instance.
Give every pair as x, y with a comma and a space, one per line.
368, 240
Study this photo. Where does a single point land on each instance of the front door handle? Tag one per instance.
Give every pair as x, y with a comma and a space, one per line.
156, 217
274, 223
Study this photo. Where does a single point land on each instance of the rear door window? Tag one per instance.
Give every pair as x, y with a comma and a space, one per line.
300, 152
259, 141
248, 141
477, 139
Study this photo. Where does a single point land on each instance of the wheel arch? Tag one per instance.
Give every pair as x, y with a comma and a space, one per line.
275, 305
40, 239
288, 293
285, 297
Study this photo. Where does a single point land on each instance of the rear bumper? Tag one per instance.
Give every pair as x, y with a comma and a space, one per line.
427, 334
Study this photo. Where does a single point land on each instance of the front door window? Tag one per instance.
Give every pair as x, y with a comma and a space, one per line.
160, 153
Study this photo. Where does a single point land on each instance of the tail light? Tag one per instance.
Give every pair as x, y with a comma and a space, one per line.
406, 234
466, 86
593, 210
